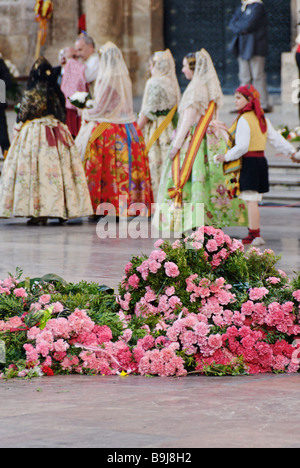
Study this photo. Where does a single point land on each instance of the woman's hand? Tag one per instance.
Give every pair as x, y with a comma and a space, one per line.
142, 122
296, 157
220, 158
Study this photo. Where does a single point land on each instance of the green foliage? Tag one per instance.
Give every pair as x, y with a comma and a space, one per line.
10, 306
261, 265
236, 367
14, 346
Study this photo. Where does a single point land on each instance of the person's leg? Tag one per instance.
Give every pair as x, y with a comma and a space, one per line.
254, 236
253, 215
4, 138
245, 75
257, 65
298, 65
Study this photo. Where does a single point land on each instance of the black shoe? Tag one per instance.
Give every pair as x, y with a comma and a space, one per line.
95, 218
268, 109
36, 221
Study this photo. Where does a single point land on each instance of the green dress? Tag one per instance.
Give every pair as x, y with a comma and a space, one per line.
206, 200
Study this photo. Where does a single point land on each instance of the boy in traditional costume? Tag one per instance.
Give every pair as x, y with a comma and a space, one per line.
250, 134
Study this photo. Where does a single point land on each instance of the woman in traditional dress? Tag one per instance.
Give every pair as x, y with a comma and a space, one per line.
43, 175
190, 177
159, 112
112, 145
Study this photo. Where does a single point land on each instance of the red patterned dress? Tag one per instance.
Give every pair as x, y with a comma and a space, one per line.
117, 171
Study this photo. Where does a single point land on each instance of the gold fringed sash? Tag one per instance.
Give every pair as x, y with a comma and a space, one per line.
95, 135
162, 127
232, 169
232, 166
182, 175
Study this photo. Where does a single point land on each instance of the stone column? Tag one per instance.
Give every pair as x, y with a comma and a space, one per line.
104, 21
18, 32
136, 26
147, 33
63, 29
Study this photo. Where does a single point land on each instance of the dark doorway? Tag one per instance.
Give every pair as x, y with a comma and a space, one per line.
193, 24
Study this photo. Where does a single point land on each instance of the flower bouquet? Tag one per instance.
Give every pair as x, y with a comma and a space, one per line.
81, 99
199, 305
217, 310
292, 135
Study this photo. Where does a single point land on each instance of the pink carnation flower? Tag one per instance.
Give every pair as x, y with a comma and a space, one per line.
212, 245
170, 291
171, 269
296, 295
133, 281
57, 308
20, 292
45, 299
215, 341
158, 243
128, 267
273, 280
154, 266
176, 244
256, 294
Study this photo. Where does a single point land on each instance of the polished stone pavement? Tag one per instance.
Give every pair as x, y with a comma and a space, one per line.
154, 413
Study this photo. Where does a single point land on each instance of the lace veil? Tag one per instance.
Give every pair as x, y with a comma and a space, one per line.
204, 87
113, 101
162, 90
113, 89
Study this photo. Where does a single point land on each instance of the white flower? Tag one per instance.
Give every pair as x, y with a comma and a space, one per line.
80, 97
89, 104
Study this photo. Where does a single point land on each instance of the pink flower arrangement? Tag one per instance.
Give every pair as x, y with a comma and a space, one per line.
193, 305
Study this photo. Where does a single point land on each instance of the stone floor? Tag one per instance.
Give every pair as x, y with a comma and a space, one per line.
136, 412
153, 413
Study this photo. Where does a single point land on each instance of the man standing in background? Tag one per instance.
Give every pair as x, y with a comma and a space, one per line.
6, 79
85, 50
250, 45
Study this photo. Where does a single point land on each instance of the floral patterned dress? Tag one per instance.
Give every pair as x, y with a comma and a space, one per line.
205, 191
159, 150
43, 175
117, 171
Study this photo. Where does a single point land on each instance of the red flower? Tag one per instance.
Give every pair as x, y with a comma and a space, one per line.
47, 371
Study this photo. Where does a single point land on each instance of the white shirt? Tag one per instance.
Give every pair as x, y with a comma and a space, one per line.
242, 141
92, 67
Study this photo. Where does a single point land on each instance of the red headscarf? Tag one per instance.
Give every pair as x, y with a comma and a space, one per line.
253, 96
